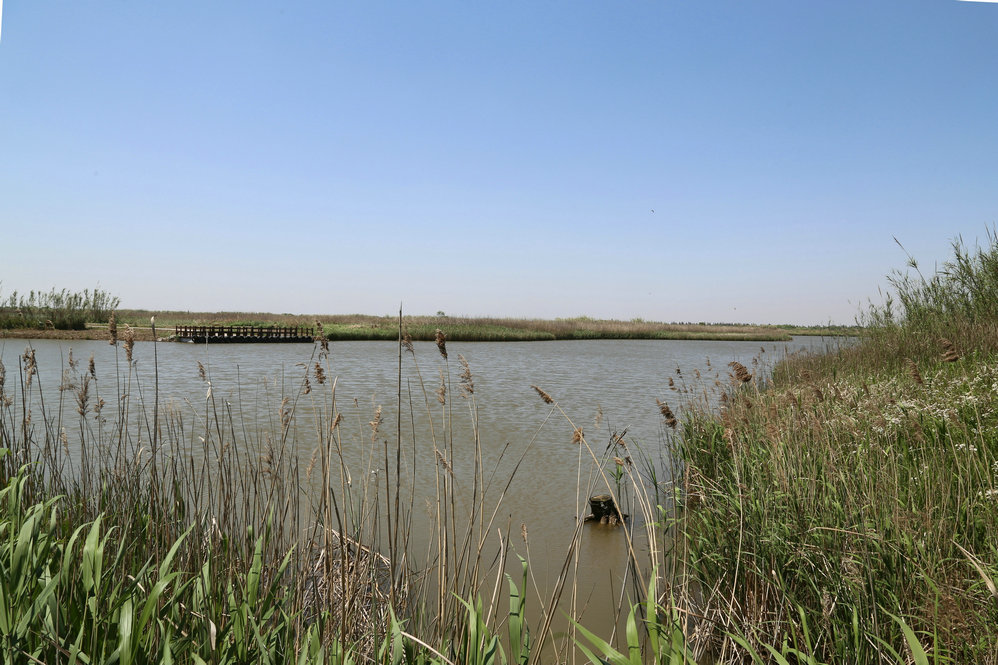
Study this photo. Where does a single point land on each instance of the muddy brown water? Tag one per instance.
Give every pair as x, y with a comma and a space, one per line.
607, 387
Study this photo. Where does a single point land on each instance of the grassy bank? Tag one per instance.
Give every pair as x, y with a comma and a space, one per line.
847, 511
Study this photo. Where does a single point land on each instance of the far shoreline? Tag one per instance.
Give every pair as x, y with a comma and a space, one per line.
360, 327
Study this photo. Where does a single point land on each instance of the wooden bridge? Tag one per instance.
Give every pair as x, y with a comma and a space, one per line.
243, 334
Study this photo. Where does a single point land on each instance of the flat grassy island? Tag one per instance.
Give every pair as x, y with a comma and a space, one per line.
842, 509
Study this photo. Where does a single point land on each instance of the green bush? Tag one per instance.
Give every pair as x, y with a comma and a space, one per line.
61, 310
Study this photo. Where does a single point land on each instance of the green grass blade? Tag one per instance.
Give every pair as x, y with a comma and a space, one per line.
917, 652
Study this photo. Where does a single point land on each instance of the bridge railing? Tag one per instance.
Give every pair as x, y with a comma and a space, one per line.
245, 333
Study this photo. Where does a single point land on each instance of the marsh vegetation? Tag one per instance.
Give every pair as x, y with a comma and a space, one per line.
56, 310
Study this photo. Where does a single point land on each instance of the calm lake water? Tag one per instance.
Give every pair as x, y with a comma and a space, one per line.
606, 387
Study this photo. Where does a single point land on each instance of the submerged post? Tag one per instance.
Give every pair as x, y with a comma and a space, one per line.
604, 510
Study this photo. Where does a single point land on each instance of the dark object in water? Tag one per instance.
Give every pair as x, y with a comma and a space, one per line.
604, 510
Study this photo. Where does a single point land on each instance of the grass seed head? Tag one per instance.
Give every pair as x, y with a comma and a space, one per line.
83, 396
742, 374
320, 337
670, 417
129, 338
949, 351
311, 462
112, 330
441, 340
443, 461
467, 382
544, 396
30, 365
442, 389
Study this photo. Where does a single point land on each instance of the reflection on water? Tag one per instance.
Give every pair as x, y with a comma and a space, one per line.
608, 388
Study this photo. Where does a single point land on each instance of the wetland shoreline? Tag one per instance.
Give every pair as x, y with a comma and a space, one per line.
361, 327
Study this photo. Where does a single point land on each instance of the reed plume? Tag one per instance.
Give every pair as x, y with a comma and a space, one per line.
442, 389
442, 458
311, 462
949, 351
284, 411
577, 435
83, 396
441, 340
112, 330
913, 371
544, 396
741, 372
376, 423
129, 339
670, 418
30, 366
320, 337
467, 382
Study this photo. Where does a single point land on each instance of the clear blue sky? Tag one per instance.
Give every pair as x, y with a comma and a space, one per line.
494, 158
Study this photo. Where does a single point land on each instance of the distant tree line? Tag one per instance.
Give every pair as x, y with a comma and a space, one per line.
61, 310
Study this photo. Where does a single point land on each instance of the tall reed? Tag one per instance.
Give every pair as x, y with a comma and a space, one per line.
847, 511
61, 310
